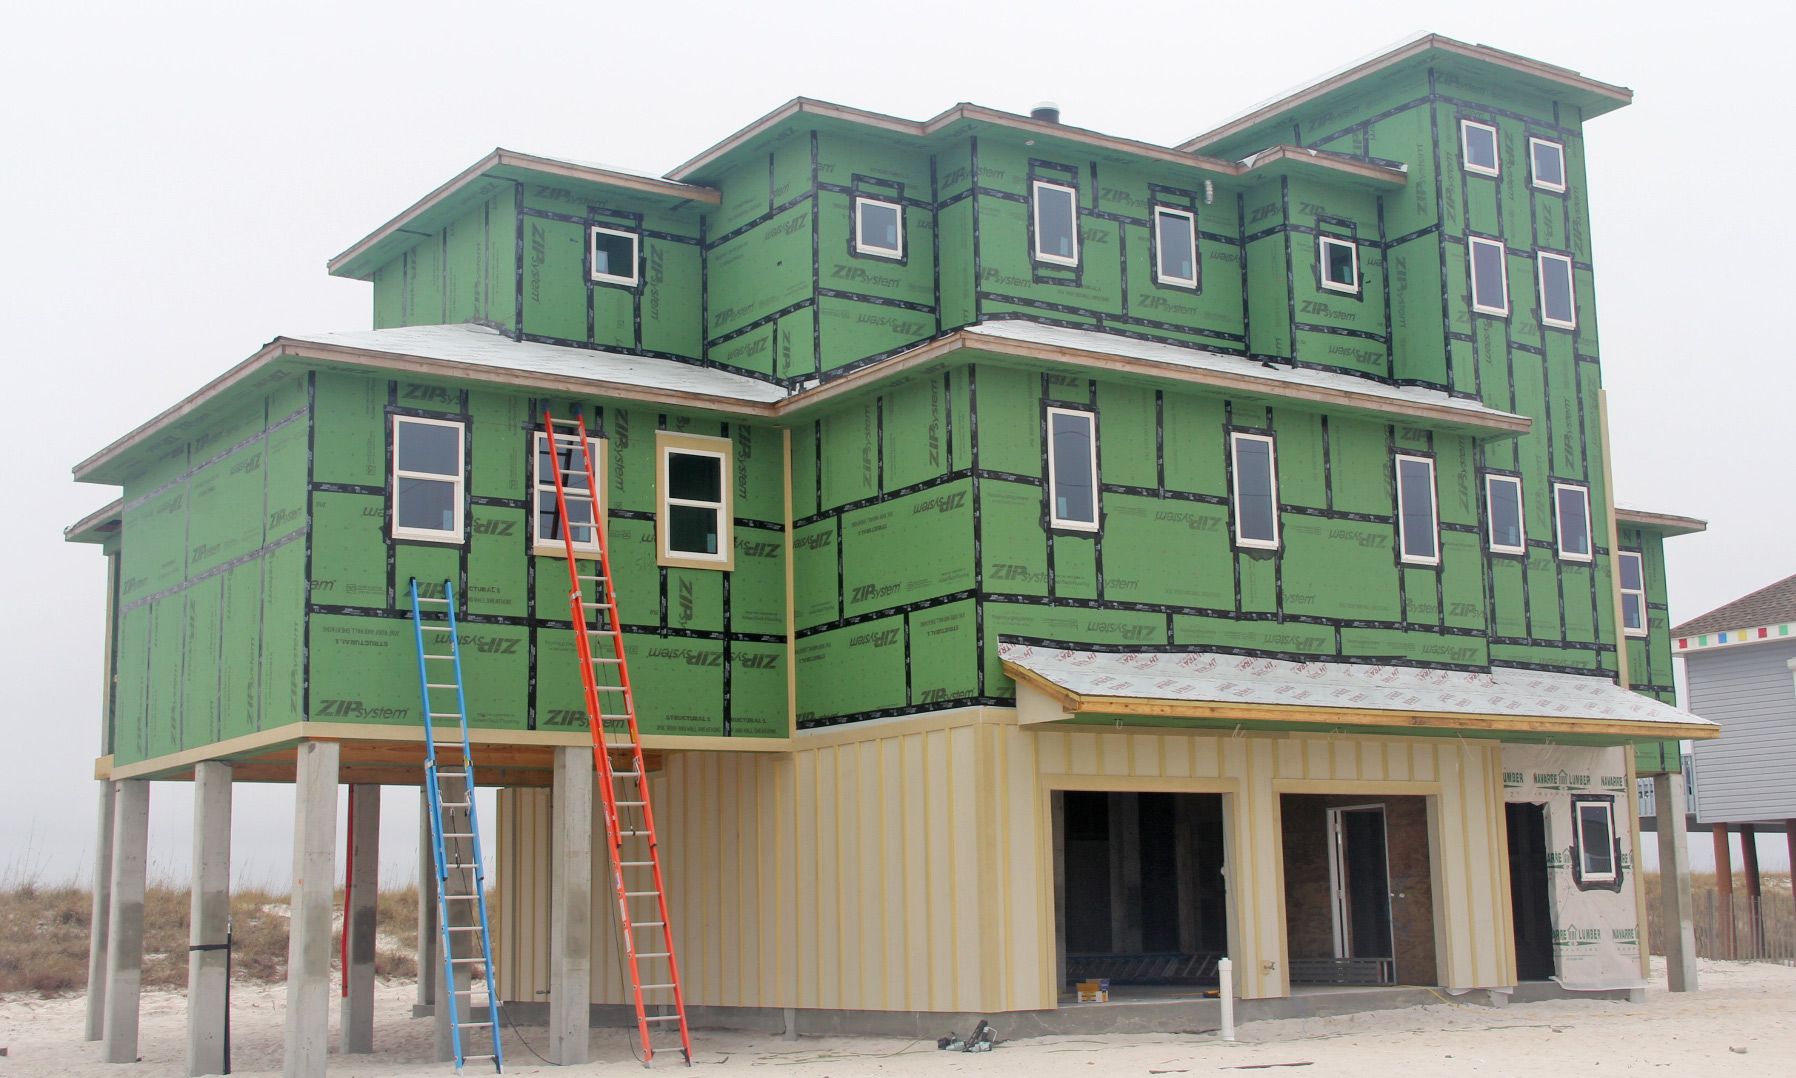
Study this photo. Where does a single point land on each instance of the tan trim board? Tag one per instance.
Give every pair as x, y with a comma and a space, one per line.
1664, 523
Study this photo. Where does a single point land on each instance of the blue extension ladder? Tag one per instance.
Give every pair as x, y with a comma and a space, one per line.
454, 828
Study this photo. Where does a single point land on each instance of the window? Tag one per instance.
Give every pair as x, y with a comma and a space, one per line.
1557, 307
1571, 505
1479, 145
694, 523
878, 228
1595, 823
1416, 524
1503, 501
1340, 264
1072, 469
1056, 223
427, 479
1256, 491
582, 509
1547, 161
613, 256
1175, 246
1633, 593
1490, 276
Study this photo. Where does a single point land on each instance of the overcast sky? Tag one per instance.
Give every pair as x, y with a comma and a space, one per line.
177, 174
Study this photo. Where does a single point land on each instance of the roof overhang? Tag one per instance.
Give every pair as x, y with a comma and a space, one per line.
1664, 523
97, 526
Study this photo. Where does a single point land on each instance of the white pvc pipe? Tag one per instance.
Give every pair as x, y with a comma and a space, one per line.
1226, 970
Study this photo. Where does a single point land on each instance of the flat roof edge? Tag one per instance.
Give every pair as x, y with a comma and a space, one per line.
1665, 523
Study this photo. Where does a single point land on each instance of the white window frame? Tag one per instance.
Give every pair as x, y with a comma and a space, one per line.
864, 246
1323, 243
667, 443
1471, 268
459, 479
1490, 511
1072, 194
592, 262
1640, 592
1235, 440
1559, 523
1465, 149
1160, 275
1055, 520
1585, 874
1571, 282
1434, 512
1534, 144
541, 484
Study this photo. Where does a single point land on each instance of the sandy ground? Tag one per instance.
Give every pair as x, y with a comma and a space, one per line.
1743, 1020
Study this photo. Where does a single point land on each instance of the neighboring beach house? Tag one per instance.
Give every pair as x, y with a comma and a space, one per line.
1041, 555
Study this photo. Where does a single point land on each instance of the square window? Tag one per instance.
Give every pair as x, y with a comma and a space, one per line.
1478, 145
1175, 246
1547, 164
1633, 592
878, 228
1571, 508
694, 526
1595, 823
1417, 527
614, 256
583, 505
1056, 223
1503, 501
1490, 275
1072, 469
1557, 306
1340, 264
1256, 491
427, 479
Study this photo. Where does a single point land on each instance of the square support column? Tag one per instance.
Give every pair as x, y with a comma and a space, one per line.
570, 908
208, 962
1675, 913
124, 930
102, 913
359, 918
309, 945
427, 907
1724, 894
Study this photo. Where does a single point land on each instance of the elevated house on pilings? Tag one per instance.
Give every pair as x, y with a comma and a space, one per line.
1042, 555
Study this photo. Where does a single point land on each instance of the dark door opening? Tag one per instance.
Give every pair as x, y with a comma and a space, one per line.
1362, 884
1528, 891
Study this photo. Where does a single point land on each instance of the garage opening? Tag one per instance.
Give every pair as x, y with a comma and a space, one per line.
1139, 895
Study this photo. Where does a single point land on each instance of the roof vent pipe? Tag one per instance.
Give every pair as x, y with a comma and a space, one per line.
1047, 112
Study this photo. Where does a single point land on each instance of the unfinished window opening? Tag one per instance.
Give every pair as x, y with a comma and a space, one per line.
1417, 524
1072, 469
1490, 275
1633, 592
1546, 160
614, 255
1056, 223
427, 479
1557, 305
1340, 264
1596, 858
583, 506
1478, 143
1256, 491
694, 525
1503, 503
1175, 246
878, 228
1571, 509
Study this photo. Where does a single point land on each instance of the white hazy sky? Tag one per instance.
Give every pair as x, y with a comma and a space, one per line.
178, 174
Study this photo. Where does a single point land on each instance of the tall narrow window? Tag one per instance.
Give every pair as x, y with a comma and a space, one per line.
1503, 501
1596, 841
427, 479
1417, 525
1633, 593
1056, 223
1175, 246
1478, 143
614, 255
1072, 469
1256, 491
1557, 307
878, 228
694, 525
1546, 159
1490, 275
1571, 508
1340, 264
583, 505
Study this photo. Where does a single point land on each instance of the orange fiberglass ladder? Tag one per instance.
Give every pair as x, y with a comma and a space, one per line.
616, 739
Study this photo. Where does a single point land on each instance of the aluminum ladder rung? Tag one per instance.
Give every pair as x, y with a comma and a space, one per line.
651, 954
648, 924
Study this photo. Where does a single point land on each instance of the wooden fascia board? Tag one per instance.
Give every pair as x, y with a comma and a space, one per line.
1664, 523
88, 528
